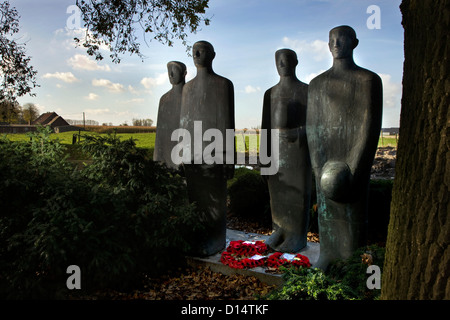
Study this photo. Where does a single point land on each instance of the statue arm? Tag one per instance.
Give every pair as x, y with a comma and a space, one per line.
229, 169
361, 159
313, 126
266, 123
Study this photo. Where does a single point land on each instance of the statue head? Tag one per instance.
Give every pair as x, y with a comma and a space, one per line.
342, 41
203, 54
177, 72
286, 61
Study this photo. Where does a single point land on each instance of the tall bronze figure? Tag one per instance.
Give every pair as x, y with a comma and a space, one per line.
169, 114
208, 106
343, 125
284, 108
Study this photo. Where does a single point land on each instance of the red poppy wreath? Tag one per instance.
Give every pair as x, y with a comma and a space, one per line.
250, 254
283, 259
244, 254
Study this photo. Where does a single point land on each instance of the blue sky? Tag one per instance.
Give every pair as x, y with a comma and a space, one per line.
245, 35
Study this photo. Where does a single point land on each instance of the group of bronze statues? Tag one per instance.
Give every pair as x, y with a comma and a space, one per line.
329, 127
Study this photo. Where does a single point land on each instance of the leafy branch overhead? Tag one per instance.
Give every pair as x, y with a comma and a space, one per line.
17, 76
114, 24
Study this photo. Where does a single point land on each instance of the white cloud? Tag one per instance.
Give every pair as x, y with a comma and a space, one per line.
98, 111
64, 76
392, 92
149, 83
251, 89
81, 62
40, 107
135, 101
92, 96
132, 89
113, 87
317, 48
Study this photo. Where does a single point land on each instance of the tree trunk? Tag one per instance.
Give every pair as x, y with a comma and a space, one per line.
417, 264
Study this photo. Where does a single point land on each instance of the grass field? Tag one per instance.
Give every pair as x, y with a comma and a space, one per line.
147, 140
143, 140
388, 141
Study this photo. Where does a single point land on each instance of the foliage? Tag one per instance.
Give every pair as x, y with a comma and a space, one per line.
118, 218
310, 284
18, 77
142, 122
352, 271
121, 129
344, 280
113, 23
12, 112
29, 112
249, 196
142, 140
9, 111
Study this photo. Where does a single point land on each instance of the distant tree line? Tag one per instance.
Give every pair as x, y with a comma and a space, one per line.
13, 113
142, 122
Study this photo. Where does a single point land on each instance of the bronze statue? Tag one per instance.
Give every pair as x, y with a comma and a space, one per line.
169, 114
284, 109
208, 104
343, 125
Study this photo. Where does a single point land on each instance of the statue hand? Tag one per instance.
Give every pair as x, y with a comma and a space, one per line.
336, 181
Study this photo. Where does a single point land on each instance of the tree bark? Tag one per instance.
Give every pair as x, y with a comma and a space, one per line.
417, 264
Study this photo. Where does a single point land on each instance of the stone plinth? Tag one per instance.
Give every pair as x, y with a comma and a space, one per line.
213, 262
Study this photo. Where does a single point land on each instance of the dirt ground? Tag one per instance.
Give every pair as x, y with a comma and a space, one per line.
384, 163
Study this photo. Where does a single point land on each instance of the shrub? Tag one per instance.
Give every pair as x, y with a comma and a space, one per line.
249, 196
344, 279
120, 129
310, 284
352, 272
118, 218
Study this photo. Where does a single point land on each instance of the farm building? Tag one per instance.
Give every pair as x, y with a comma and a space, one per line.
52, 119
55, 121
390, 131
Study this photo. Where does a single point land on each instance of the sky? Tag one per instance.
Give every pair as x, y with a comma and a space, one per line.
245, 35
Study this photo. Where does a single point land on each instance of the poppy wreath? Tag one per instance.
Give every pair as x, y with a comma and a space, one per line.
238, 254
275, 260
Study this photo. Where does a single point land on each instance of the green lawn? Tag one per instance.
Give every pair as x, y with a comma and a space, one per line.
386, 141
143, 140
147, 140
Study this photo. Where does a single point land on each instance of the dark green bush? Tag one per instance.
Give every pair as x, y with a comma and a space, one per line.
118, 218
249, 196
352, 272
344, 280
310, 284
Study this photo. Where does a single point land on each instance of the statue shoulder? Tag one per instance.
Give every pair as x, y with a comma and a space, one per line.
224, 81
318, 80
164, 98
188, 84
367, 75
